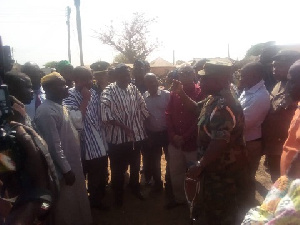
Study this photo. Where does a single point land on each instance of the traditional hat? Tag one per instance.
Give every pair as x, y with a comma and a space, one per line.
100, 66
50, 78
216, 67
61, 65
121, 68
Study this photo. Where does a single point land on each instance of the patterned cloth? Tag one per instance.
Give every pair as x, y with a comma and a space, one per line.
127, 107
221, 118
218, 199
281, 205
93, 143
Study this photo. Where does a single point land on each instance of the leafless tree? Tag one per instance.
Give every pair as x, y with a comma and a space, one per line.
133, 40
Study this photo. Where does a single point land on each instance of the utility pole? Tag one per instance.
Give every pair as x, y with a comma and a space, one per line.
228, 51
69, 32
79, 32
174, 57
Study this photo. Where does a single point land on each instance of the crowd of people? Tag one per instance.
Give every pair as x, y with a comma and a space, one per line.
211, 128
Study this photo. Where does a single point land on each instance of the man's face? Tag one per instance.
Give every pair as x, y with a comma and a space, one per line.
25, 92
139, 73
293, 86
208, 84
35, 77
123, 79
151, 84
84, 82
280, 69
60, 89
246, 78
102, 79
67, 73
186, 77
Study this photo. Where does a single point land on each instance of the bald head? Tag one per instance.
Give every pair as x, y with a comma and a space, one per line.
251, 74
150, 76
151, 83
19, 85
34, 72
83, 77
293, 84
255, 68
186, 75
82, 73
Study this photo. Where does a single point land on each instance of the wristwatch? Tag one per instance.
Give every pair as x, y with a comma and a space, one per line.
199, 164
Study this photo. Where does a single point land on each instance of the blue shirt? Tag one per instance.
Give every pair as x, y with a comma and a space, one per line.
256, 104
157, 106
32, 106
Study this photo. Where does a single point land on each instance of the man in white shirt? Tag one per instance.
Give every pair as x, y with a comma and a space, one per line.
255, 101
157, 101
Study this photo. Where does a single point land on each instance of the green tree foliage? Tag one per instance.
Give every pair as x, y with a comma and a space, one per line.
51, 64
133, 40
179, 62
120, 58
257, 49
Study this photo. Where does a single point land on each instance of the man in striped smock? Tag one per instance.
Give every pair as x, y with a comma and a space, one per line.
84, 105
123, 109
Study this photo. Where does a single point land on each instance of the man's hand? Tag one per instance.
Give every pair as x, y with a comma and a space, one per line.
177, 87
128, 132
86, 97
86, 94
18, 106
178, 141
194, 172
69, 178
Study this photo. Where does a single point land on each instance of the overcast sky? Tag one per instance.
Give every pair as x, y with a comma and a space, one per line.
37, 31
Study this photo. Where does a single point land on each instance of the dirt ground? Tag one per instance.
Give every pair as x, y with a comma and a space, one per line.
151, 211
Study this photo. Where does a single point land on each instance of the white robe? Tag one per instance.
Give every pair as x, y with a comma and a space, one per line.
54, 125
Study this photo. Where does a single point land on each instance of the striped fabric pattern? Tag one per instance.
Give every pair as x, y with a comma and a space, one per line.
126, 106
93, 143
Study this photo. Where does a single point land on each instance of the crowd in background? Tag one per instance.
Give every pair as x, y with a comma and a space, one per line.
211, 120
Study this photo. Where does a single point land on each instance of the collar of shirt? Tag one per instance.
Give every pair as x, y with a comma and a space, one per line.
279, 88
147, 94
130, 86
255, 88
